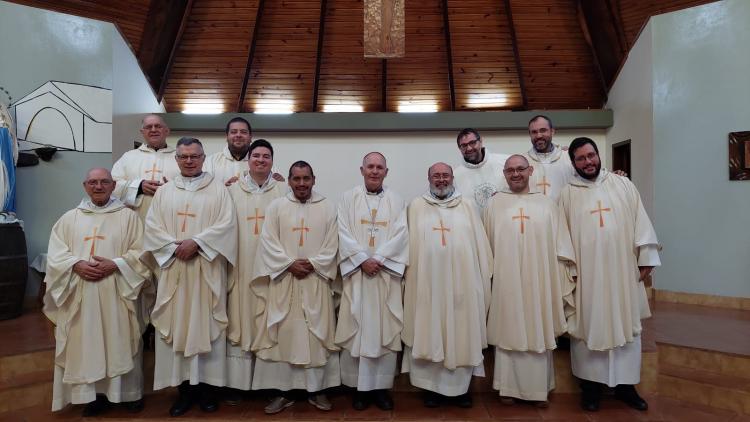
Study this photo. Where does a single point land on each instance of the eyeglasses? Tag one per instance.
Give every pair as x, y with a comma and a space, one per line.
189, 157
93, 183
588, 157
472, 143
512, 171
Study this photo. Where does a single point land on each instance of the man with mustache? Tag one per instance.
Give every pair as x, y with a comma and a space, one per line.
447, 291
295, 265
615, 250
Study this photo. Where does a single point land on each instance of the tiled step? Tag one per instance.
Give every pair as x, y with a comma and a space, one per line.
704, 385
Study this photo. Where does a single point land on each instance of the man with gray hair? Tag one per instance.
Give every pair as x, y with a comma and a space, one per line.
447, 291
373, 253
191, 235
93, 278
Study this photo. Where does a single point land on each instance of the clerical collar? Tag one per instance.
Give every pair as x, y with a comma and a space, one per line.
377, 193
92, 205
112, 205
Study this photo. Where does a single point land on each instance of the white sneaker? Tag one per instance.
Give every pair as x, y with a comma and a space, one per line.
277, 405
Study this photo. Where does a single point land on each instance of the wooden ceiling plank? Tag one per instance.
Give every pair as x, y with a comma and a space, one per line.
250, 56
319, 54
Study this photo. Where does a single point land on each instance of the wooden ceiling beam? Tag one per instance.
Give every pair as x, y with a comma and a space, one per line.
165, 24
598, 27
449, 52
384, 86
516, 54
319, 54
250, 56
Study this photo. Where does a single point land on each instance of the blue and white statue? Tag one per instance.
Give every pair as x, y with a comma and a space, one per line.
8, 159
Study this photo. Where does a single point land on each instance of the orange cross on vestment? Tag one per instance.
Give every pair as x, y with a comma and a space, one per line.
93, 238
185, 214
521, 217
153, 171
442, 229
544, 184
372, 222
600, 210
302, 229
257, 218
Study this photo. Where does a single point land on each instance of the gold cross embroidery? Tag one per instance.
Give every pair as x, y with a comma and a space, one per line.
442, 229
372, 222
153, 171
185, 214
93, 238
257, 218
600, 210
302, 229
521, 217
543, 184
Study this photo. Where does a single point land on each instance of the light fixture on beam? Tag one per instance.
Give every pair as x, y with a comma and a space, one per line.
494, 100
203, 108
408, 107
274, 108
343, 108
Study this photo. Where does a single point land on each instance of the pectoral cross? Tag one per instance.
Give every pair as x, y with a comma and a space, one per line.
372, 222
257, 218
93, 239
521, 217
600, 210
442, 229
302, 229
543, 184
185, 214
153, 171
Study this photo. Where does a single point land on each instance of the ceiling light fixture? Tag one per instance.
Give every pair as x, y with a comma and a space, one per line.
343, 108
407, 107
203, 109
274, 108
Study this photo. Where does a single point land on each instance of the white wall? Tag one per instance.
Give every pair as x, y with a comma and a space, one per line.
336, 157
132, 96
630, 99
701, 92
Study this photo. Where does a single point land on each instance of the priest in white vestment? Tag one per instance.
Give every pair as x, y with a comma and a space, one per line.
373, 253
295, 266
480, 174
191, 233
447, 292
615, 249
530, 283
230, 164
552, 167
252, 194
93, 279
140, 172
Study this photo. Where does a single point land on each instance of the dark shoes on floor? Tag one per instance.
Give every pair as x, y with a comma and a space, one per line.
96, 407
431, 399
183, 403
190, 394
464, 401
382, 400
628, 395
361, 400
134, 406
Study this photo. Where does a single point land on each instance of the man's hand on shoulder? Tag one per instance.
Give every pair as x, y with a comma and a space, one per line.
231, 181
149, 187
186, 249
278, 177
620, 173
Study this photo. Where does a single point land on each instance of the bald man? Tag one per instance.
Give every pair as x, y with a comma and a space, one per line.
373, 253
447, 291
93, 279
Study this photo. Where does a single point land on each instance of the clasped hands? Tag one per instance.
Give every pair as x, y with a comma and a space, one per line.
96, 269
186, 249
301, 268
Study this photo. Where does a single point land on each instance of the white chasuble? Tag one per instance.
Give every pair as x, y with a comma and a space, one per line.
138, 165
250, 201
295, 317
530, 278
97, 330
224, 166
447, 285
612, 236
552, 171
478, 182
371, 311
190, 313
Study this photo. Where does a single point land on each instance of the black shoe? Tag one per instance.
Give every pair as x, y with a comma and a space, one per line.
431, 399
383, 400
231, 396
628, 395
134, 406
207, 401
183, 403
591, 395
361, 400
96, 407
464, 401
